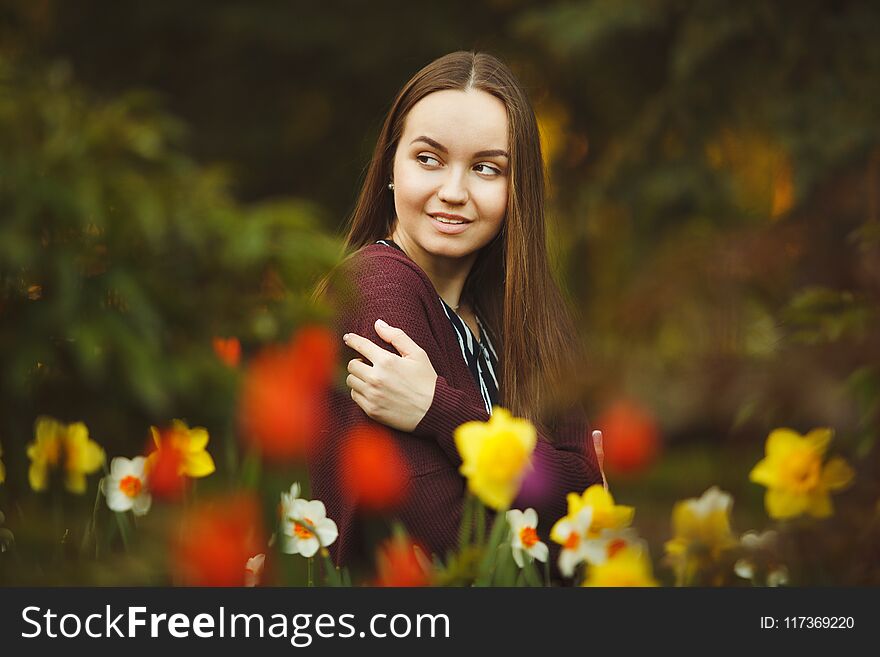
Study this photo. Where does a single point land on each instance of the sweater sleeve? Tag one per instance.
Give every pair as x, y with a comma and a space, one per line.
379, 287
567, 463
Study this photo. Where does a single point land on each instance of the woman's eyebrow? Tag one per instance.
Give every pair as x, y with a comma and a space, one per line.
440, 147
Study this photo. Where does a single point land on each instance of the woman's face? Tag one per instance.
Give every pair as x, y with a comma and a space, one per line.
451, 174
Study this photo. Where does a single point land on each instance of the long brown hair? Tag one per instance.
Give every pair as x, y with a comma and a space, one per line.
531, 326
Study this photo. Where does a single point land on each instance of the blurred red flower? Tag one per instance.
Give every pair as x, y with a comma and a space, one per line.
374, 472
282, 407
631, 437
215, 540
228, 350
165, 473
402, 562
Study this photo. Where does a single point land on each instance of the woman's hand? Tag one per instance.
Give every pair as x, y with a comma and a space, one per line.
396, 391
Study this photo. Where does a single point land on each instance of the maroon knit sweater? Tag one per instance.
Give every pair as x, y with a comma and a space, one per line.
384, 283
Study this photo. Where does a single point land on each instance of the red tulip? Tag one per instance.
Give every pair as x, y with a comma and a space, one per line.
164, 471
631, 437
228, 350
282, 407
215, 541
374, 473
401, 562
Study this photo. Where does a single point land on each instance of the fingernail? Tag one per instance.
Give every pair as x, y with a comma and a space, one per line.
382, 323
345, 337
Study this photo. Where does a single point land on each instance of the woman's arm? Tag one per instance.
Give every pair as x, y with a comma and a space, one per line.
567, 463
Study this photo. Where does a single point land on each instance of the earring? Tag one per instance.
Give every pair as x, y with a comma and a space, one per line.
391, 185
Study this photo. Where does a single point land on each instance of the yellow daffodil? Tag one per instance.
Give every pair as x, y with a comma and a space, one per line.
797, 482
494, 456
702, 525
189, 444
701, 532
605, 515
630, 566
65, 446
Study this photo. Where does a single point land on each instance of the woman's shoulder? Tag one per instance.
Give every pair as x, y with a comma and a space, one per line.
380, 265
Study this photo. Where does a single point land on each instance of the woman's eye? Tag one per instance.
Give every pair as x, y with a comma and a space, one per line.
423, 158
488, 169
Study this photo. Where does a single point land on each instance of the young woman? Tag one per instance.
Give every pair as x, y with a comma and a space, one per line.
448, 304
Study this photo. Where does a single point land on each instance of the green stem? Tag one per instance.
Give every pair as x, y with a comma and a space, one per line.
92, 529
480, 522
124, 529
499, 527
467, 515
333, 577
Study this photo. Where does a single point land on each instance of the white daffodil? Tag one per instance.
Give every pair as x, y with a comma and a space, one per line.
306, 528
253, 570
609, 542
287, 499
571, 533
523, 525
126, 487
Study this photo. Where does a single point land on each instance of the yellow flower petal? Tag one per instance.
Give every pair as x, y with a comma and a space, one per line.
819, 439
784, 504
818, 505
75, 482
199, 464
764, 473
837, 474
468, 438
198, 439
782, 441
37, 476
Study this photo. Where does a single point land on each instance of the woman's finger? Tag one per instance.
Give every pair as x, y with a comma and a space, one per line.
361, 401
404, 344
365, 347
355, 383
360, 369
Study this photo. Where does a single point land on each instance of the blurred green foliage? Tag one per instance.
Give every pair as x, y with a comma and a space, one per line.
121, 258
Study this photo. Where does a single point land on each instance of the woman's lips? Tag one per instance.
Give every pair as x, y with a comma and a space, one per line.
449, 229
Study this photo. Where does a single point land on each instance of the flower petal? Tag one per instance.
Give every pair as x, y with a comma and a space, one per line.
783, 504
198, 464
782, 441
518, 557
308, 547
141, 504
540, 551
837, 474
327, 532
819, 439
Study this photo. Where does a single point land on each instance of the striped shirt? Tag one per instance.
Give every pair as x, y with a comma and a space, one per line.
479, 356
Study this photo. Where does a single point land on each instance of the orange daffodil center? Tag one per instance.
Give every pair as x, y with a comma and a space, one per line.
797, 481
130, 486
528, 536
301, 529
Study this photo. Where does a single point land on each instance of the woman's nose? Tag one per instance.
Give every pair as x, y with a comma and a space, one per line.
454, 188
